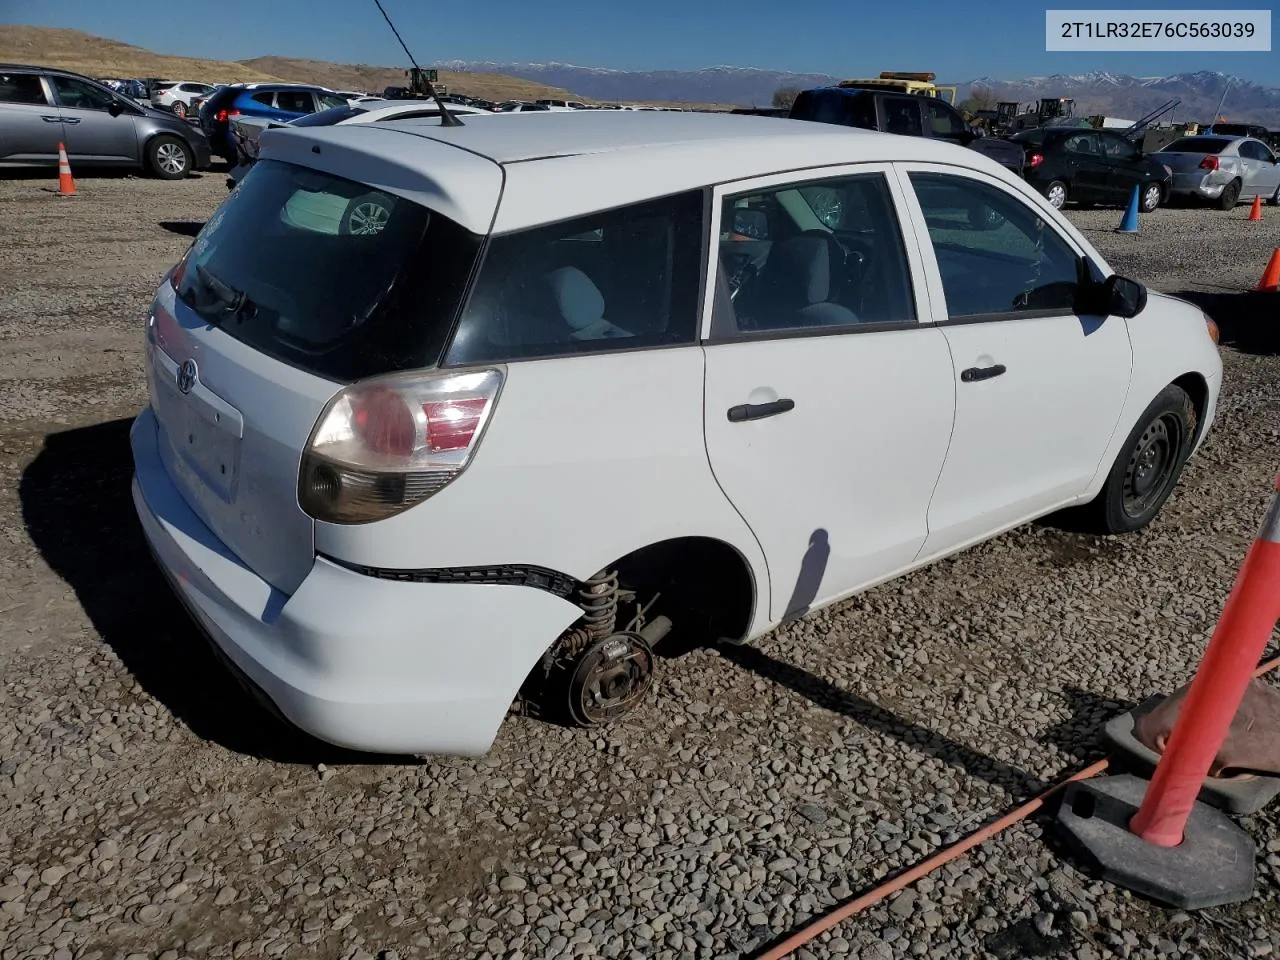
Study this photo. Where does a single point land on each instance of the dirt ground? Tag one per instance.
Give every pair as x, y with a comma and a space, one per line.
148, 808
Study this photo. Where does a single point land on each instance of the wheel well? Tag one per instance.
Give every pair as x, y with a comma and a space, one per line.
1197, 389
704, 585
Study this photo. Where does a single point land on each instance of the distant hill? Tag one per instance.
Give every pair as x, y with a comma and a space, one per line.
100, 57
1095, 93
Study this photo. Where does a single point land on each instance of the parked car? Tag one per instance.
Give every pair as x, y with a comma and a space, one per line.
1092, 167
395, 497
517, 106
177, 95
1255, 130
193, 111
1223, 169
41, 107
247, 130
904, 114
566, 104
273, 101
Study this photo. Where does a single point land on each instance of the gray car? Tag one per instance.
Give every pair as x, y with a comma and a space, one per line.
41, 107
1223, 169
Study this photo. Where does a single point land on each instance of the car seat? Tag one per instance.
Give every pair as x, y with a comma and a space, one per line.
799, 285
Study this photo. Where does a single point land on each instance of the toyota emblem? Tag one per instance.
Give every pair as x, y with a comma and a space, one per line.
187, 376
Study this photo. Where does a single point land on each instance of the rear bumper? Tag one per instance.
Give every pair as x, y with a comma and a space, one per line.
1209, 186
373, 665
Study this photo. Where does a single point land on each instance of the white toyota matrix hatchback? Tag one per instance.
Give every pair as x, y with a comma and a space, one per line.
447, 418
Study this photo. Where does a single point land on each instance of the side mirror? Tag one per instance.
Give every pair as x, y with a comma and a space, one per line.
116, 108
1116, 296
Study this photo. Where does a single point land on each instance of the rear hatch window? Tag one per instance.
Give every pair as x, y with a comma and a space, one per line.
327, 274
1197, 145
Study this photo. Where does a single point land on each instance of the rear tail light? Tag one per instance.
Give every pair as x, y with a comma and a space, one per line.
179, 270
1209, 163
221, 115
381, 446
1036, 160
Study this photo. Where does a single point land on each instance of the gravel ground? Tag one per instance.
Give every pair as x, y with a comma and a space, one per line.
151, 810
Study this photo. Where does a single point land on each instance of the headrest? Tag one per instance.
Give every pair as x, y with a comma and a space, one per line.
580, 301
803, 264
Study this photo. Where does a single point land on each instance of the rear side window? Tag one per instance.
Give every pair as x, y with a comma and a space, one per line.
21, 88
294, 101
834, 106
902, 116
942, 121
327, 274
266, 98
618, 280
1197, 145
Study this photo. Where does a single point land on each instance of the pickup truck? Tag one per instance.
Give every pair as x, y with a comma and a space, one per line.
911, 115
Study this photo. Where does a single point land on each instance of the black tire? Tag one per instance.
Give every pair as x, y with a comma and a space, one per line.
169, 158
1161, 442
366, 215
1152, 196
1275, 199
1054, 188
1230, 195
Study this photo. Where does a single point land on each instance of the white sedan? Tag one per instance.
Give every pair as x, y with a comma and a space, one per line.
445, 415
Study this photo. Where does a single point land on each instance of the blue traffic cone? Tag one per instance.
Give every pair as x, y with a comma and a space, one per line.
1129, 222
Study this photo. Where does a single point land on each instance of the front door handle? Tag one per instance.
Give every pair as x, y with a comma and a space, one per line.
974, 374
51, 119
758, 411
70, 119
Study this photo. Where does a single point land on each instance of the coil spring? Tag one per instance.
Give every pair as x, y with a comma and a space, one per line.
598, 598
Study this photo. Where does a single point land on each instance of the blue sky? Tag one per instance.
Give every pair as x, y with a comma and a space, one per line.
1006, 40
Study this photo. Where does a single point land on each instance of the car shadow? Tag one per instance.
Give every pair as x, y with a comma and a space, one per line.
77, 507
184, 228
823, 693
1247, 320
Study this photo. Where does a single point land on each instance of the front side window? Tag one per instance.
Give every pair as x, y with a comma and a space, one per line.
1083, 143
996, 254
21, 88
76, 93
943, 122
1118, 148
617, 280
811, 256
328, 100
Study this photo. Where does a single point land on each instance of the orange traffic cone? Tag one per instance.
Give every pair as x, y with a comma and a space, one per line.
1270, 282
1256, 212
66, 183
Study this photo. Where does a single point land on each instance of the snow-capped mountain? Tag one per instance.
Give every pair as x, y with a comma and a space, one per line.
1095, 92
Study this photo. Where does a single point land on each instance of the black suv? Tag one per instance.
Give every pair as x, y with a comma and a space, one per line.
902, 113
1092, 167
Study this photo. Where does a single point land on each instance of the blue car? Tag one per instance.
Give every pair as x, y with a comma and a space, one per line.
272, 101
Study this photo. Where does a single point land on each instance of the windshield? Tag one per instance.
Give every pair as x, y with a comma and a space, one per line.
327, 274
1197, 145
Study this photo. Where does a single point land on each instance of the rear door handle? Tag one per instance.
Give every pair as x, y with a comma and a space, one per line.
51, 119
758, 411
70, 119
974, 374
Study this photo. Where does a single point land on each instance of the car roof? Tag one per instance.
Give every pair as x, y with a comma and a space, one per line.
573, 164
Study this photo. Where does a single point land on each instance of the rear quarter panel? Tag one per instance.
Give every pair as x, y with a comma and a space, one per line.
584, 460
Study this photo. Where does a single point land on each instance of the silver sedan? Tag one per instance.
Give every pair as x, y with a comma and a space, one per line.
1223, 169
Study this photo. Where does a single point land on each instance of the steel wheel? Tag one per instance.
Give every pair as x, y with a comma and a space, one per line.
1152, 466
1151, 197
1056, 194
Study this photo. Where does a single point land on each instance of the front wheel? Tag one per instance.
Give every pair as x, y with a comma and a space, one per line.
1151, 197
1149, 465
1230, 194
1056, 193
169, 158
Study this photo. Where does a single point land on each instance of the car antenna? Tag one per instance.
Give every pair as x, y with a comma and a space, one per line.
447, 119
